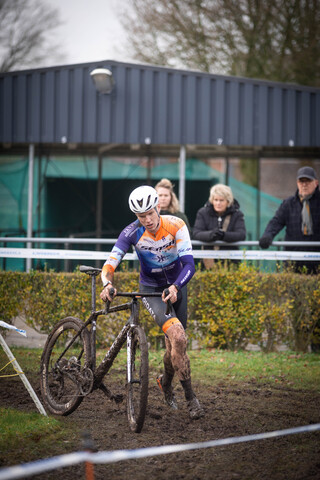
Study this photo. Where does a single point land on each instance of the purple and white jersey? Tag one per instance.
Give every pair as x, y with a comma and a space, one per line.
165, 258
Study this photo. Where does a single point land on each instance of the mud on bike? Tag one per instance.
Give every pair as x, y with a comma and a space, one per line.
69, 372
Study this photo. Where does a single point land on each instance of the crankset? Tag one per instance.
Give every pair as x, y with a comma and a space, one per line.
85, 379
82, 377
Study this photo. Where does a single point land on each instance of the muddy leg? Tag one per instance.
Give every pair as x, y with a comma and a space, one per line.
177, 356
181, 364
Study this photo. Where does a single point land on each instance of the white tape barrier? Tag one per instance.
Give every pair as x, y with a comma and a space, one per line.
111, 241
12, 327
256, 255
33, 468
95, 255
58, 254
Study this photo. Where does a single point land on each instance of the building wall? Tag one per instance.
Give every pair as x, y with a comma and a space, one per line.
156, 105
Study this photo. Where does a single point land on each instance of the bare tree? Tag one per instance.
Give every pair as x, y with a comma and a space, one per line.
26, 30
270, 39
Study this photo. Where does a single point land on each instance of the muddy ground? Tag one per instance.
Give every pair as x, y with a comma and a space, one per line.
244, 409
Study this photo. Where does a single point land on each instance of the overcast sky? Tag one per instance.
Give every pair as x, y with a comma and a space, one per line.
91, 30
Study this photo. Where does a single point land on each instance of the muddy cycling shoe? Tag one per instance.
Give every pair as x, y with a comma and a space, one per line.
195, 409
168, 394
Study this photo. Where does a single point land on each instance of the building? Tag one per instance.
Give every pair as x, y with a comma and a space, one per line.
70, 155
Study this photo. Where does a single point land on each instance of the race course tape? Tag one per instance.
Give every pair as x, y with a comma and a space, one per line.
6, 252
33, 468
12, 327
54, 254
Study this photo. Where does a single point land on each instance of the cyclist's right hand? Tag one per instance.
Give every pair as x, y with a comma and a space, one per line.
108, 293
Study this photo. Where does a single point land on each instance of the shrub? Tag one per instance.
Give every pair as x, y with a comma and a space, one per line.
228, 307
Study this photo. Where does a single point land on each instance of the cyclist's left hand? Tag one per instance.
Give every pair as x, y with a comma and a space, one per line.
173, 294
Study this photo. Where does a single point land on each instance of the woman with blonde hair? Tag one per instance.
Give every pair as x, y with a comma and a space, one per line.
220, 219
168, 201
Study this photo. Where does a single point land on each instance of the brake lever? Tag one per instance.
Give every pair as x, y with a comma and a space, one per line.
169, 304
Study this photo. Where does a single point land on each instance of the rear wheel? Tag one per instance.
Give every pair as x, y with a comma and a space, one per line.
65, 376
137, 378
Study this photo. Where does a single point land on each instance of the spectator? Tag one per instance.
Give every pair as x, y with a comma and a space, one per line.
220, 219
168, 202
300, 214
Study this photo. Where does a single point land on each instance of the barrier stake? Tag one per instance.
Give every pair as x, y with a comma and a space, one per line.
22, 376
88, 445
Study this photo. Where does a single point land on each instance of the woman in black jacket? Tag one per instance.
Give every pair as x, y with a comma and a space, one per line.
220, 219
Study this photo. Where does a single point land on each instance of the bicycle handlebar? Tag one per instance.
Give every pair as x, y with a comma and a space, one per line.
142, 294
95, 271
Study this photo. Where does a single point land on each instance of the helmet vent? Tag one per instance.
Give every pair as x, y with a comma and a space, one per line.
143, 199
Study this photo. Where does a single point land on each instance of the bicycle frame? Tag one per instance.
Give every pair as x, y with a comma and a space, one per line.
114, 349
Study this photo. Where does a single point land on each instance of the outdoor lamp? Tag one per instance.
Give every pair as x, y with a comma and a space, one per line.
103, 80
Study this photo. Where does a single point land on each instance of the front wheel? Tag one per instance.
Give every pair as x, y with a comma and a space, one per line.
65, 373
137, 378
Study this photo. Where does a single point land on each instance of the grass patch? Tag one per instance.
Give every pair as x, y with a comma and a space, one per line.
298, 371
16, 427
27, 436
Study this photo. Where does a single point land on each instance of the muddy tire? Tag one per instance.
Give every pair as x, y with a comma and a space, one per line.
64, 370
137, 378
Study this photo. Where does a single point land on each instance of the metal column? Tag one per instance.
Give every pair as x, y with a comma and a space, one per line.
30, 204
182, 177
99, 206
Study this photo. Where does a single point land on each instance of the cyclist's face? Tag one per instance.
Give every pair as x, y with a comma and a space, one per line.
150, 220
164, 198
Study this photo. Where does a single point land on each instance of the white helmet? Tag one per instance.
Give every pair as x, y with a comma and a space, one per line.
143, 199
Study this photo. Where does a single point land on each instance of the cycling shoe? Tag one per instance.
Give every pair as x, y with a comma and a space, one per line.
168, 394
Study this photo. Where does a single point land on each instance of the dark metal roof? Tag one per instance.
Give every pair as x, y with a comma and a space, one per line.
58, 108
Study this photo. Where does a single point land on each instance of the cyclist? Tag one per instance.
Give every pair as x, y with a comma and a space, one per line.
164, 250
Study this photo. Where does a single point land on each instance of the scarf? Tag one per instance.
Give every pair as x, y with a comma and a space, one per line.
306, 225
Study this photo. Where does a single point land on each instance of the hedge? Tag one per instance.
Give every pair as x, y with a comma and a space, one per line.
228, 308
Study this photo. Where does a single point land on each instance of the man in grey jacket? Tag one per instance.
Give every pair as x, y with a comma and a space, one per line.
300, 215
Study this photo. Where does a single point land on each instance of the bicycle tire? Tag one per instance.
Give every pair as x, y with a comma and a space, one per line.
63, 384
138, 368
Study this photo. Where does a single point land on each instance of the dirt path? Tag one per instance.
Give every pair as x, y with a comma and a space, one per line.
230, 411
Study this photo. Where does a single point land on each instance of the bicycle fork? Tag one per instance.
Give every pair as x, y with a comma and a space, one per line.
133, 322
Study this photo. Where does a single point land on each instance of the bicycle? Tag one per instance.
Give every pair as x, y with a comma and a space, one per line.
68, 371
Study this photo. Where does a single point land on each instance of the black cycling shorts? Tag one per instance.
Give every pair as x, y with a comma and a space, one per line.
157, 308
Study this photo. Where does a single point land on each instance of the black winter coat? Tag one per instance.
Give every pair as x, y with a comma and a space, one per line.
288, 215
207, 222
